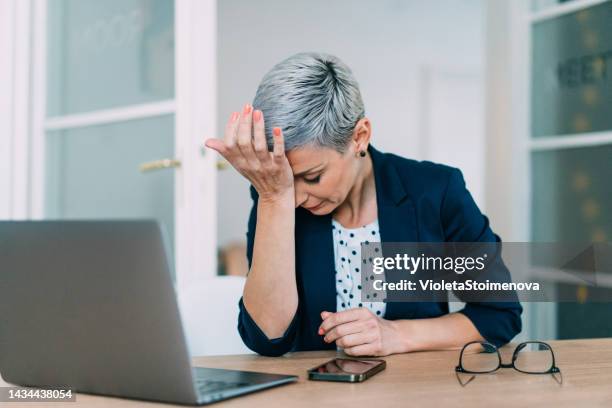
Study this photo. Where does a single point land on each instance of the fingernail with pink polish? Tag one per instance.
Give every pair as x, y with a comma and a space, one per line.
234, 116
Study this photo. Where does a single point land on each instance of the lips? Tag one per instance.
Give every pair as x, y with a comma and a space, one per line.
315, 207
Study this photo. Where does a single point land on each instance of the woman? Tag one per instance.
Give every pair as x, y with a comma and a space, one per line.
319, 187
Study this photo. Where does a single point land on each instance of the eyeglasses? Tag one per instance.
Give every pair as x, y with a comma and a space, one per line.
530, 357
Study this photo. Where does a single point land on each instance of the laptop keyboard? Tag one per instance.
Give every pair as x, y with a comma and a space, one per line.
205, 386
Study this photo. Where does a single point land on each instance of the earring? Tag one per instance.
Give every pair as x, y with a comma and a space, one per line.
362, 153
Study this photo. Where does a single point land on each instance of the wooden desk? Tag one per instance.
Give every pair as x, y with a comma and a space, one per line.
424, 379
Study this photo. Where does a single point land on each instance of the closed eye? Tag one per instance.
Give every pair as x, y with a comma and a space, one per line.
313, 180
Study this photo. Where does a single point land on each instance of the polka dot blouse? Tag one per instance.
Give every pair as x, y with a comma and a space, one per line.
347, 254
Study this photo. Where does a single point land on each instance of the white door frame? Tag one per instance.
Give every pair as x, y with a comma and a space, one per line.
7, 41
196, 117
14, 108
23, 124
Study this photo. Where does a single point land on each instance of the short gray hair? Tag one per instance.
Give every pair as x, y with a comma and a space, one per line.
314, 98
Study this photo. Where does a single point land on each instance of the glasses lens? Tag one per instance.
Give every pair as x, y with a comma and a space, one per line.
533, 358
480, 358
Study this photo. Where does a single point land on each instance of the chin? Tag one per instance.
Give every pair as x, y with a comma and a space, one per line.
323, 210
320, 211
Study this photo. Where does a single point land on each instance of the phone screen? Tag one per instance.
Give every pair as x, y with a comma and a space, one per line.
347, 366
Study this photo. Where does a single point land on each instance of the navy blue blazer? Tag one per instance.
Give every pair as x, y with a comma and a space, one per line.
417, 202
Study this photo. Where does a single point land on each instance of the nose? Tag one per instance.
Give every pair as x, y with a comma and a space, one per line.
300, 196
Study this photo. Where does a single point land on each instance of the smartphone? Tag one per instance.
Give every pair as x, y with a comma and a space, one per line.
346, 370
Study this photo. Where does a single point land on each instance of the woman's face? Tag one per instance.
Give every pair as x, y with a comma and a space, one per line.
322, 178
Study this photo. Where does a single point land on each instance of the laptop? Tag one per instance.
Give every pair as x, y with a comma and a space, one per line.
91, 306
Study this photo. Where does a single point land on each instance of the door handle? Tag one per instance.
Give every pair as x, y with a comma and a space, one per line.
160, 164
173, 164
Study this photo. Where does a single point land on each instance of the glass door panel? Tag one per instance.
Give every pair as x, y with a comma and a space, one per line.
104, 58
93, 172
105, 54
572, 195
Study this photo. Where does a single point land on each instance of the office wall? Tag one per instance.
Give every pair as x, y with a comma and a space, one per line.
391, 46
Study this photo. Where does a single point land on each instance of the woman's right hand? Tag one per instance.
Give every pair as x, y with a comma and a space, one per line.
244, 147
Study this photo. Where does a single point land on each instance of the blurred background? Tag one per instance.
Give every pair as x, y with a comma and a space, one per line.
104, 107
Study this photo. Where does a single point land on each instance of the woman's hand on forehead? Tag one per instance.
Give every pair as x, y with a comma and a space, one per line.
244, 147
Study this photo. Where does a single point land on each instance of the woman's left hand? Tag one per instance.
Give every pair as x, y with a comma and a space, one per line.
361, 333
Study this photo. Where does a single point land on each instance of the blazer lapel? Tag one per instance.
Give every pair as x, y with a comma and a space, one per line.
396, 219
